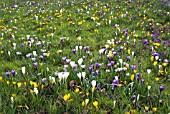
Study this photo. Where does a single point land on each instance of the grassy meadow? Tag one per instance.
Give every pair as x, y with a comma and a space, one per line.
84, 56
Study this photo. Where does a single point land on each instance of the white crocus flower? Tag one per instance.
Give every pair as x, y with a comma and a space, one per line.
149, 87
60, 76
14, 44
93, 83
83, 75
34, 53
79, 75
65, 75
23, 70
148, 71
35, 90
80, 61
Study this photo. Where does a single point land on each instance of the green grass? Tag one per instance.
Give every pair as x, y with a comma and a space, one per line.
99, 25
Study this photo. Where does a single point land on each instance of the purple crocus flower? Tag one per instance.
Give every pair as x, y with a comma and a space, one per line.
86, 48
138, 75
90, 69
128, 58
74, 51
98, 86
142, 81
13, 72
112, 63
98, 65
7, 74
133, 97
36, 64
161, 88
44, 80
56, 73
97, 72
93, 73
115, 82
64, 58
109, 65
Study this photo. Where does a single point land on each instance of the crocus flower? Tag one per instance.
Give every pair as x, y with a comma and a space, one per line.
13, 72
138, 75
7, 74
36, 64
80, 61
93, 83
148, 71
95, 104
44, 80
23, 70
161, 88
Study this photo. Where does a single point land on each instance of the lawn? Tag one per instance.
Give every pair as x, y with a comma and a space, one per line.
84, 56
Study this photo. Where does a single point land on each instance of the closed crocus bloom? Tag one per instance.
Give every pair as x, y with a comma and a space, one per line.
13, 72
7, 74
79, 75
93, 83
83, 75
80, 61
23, 70
161, 88
95, 104
154, 109
148, 71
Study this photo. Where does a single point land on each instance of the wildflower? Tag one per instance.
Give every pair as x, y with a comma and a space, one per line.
148, 71
157, 79
132, 77
149, 87
83, 103
8, 82
76, 90
155, 63
0, 78
154, 109
80, 61
164, 64
161, 88
44, 80
132, 111
66, 97
146, 108
87, 93
152, 58
13, 72
7, 74
86, 101
95, 104
23, 70
19, 84
35, 90
129, 51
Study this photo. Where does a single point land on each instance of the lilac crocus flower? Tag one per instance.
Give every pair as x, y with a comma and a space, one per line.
90, 69
64, 58
7, 74
109, 65
142, 81
112, 63
36, 64
44, 80
97, 72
